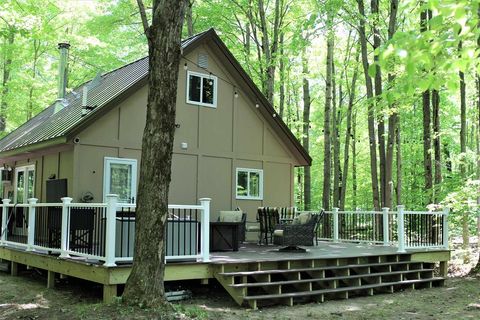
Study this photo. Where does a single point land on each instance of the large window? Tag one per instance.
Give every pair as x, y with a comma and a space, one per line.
201, 89
249, 184
120, 178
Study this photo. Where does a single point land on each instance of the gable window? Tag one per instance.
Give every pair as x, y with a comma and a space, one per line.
201, 89
249, 184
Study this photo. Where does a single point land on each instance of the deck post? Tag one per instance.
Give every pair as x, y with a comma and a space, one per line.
386, 235
401, 228
205, 232
65, 237
446, 211
31, 223
112, 200
335, 225
3, 230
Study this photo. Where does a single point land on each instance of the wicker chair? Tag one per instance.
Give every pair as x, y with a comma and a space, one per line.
297, 234
268, 218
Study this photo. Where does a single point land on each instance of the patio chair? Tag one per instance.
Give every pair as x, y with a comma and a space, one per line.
287, 214
301, 232
268, 217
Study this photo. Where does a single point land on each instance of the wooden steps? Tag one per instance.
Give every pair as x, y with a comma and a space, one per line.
297, 281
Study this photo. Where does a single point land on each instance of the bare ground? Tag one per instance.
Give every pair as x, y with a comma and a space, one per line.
26, 297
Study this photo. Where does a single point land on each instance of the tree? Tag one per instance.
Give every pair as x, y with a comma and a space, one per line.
327, 161
145, 283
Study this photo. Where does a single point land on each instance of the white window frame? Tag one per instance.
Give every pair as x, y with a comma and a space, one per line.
249, 170
106, 175
26, 169
202, 77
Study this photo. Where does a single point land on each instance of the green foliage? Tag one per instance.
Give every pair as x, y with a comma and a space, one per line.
106, 34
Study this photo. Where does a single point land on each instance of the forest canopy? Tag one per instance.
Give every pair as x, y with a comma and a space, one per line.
385, 95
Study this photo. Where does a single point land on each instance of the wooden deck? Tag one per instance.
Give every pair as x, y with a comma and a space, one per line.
250, 257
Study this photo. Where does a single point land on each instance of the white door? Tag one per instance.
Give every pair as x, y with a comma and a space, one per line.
120, 177
24, 190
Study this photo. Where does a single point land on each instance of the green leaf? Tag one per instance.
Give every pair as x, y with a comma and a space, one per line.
372, 70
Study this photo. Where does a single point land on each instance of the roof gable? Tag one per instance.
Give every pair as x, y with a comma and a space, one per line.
115, 86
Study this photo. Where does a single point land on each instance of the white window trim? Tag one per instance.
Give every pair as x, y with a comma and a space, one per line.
106, 174
249, 170
25, 169
202, 76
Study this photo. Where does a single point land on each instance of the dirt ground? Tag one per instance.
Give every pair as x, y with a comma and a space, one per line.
26, 297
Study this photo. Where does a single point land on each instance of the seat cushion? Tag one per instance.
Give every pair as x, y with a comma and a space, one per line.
230, 216
255, 228
278, 233
302, 218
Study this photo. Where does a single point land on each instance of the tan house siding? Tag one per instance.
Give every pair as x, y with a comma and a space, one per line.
232, 135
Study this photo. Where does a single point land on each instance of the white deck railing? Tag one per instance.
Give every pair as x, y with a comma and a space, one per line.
101, 231
404, 229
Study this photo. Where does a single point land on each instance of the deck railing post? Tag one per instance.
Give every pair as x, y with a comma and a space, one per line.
401, 228
335, 225
65, 235
205, 232
31, 223
386, 235
110, 229
445, 214
3, 230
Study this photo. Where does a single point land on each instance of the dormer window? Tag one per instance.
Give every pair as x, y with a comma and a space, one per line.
201, 89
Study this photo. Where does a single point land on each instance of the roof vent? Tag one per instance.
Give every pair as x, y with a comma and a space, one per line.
86, 88
203, 60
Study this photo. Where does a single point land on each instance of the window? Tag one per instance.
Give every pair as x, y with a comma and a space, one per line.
120, 177
24, 183
249, 184
201, 89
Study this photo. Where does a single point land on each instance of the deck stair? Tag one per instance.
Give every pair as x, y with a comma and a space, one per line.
261, 283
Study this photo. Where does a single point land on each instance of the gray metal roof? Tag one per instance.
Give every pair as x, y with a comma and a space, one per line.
49, 125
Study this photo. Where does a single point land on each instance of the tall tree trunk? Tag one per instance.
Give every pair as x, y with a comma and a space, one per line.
463, 150
189, 17
399, 177
437, 144
282, 78
354, 161
392, 119
145, 283
36, 49
371, 107
378, 96
327, 160
427, 140
335, 137
269, 47
306, 130
7, 63
476, 269
348, 133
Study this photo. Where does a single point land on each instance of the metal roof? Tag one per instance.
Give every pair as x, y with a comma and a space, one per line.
48, 126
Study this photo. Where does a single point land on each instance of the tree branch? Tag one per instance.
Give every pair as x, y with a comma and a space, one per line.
143, 15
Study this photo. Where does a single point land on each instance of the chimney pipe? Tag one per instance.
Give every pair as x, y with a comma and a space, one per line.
62, 74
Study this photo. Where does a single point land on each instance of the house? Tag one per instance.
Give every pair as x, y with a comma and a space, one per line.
230, 145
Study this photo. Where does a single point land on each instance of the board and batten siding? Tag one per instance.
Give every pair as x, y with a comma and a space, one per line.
219, 140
